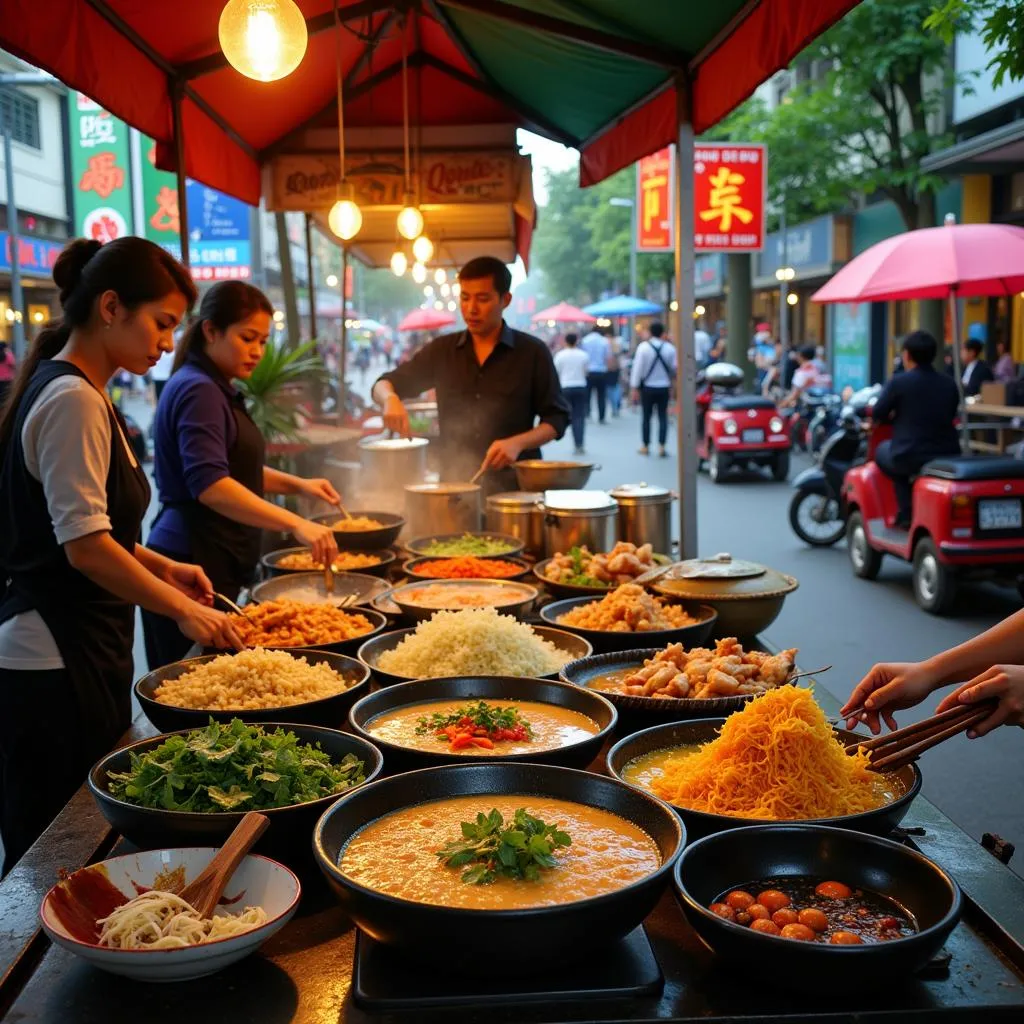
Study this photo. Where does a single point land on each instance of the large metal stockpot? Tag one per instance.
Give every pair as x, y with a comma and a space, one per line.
578, 518
442, 508
391, 463
645, 515
518, 514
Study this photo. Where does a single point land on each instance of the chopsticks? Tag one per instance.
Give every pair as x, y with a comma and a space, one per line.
231, 604
898, 749
479, 473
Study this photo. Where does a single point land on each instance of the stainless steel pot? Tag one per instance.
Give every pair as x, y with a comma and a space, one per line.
391, 463
518, 514
577, 518
645, 515
549, 475
442, 508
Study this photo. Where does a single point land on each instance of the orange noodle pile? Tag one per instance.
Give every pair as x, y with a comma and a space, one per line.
777, 759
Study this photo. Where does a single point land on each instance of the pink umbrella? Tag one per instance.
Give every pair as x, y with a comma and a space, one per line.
563, 313
426, 320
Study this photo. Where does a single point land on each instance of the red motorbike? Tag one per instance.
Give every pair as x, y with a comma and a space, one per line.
734, 429
967, 522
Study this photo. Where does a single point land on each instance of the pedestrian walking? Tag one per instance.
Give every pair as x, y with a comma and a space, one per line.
571, 364
651, 380
595, 344
617, 346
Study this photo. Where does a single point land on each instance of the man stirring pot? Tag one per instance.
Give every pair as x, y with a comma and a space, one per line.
498, 396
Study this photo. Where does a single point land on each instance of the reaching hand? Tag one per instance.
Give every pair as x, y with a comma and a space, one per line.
395, 417
208, 627
502, 453
319, 538
1003, 682
888, 688
191, 581
322, 489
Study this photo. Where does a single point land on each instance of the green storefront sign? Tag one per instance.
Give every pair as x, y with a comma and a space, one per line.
159, 199
100, 171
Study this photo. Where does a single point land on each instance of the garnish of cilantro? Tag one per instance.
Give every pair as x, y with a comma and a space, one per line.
476, 725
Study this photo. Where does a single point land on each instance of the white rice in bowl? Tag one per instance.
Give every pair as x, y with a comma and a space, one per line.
251, 680
472, 642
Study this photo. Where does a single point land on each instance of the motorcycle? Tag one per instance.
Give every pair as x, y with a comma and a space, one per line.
824, 420
810, 402
817, 512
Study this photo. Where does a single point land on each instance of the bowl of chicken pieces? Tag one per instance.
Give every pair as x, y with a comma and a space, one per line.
683, 682
579, 572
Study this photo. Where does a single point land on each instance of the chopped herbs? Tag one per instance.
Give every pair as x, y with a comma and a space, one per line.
234, 767
468, 544
581, 559
490, 849
476, 725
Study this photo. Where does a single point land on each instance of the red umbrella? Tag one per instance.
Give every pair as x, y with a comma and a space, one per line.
426, 320
563, 313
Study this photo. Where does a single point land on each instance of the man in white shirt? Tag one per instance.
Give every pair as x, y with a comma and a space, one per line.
651, 380
598, 351
701, 346
572, 364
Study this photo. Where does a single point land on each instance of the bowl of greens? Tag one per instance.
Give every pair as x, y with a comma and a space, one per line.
191, 788
453, 545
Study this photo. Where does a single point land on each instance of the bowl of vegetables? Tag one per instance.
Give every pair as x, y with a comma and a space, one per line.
455, 545
193, 787
579, 572
467, 567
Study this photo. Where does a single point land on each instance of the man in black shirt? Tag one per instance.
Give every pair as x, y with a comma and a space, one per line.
976, 370
498, 396
923, 406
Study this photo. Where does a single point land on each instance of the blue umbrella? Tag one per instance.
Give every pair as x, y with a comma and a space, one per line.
622, 305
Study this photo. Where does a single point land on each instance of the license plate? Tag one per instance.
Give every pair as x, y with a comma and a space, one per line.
753, 436
999, 514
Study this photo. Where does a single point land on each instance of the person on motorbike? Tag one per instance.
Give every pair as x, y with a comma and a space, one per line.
809, 374
992, 663
922, 406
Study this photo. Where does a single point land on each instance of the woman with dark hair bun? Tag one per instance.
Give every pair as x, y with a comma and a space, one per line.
209, 460
72, 499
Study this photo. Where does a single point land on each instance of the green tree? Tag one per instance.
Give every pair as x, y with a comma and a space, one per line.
381, 295
1002, 28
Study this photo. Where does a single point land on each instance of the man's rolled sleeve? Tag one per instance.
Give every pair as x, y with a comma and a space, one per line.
550, 404
203, 436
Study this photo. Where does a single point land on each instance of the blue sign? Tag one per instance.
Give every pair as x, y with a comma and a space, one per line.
218, 232
808, 250
35, 255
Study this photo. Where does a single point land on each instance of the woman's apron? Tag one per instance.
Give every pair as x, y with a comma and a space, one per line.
93, 629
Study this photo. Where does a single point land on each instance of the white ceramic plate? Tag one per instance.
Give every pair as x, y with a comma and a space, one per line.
258, 881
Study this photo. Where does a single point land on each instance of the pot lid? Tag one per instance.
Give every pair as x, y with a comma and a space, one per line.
723, 576
515, 499
577, 501
641, 492
445, 488
392, 444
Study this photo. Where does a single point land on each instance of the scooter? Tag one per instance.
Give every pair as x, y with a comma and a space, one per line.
817, 512
824, 420
810, 402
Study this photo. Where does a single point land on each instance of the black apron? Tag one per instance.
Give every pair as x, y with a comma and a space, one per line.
93, 629
228, 551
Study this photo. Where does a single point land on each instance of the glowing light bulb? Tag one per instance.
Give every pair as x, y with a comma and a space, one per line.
399, 263
332, 280
440, 276
345, 219
410, 220
428, 291
262, 39
423, 249
456, 288
451, 307
419, 273
446, 289
439, 305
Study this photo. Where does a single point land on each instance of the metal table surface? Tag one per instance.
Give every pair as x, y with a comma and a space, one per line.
304, 973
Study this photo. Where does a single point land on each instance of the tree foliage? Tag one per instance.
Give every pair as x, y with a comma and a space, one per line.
1001, 23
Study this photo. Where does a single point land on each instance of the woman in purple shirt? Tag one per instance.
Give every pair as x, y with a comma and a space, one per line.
209, 464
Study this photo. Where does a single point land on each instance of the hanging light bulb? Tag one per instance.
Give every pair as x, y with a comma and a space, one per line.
262, 39
345, 217
446, 289
451, 307
423, 249
419, 273
410, 220
440, 276
399, 263
456, 288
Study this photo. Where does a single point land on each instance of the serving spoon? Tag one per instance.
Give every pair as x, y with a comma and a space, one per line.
206, 889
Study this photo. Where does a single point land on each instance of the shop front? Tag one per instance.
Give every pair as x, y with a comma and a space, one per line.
710, 270
35, 259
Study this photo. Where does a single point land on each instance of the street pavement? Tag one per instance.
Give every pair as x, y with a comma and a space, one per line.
833, 618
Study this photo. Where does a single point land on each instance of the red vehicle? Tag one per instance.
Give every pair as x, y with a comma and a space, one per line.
967, 522
734, 429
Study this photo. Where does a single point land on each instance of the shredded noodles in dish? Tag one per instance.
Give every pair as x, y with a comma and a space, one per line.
163, 920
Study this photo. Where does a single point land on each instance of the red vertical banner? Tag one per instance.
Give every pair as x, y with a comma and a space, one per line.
655, 189
729, 184
349, 282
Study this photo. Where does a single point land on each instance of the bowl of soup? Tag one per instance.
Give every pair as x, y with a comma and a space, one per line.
395, 858
484, 718
422, 599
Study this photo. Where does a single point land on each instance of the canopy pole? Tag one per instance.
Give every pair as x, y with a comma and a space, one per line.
343, 354
954, 324
177, 97
682, 327
310, 283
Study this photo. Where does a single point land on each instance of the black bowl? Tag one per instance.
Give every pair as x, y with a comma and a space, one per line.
366, 540
400, 758
412, 566
574, 646
524, 597
418, 545
377, 619
272, 567
735, 858
518, 940
328, 711
604, 640
288, 834
880, 821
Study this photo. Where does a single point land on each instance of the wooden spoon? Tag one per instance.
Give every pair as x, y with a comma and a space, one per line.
206, 889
